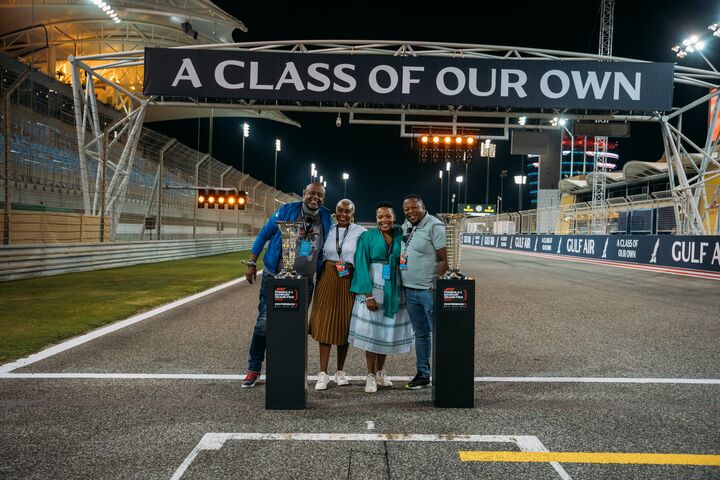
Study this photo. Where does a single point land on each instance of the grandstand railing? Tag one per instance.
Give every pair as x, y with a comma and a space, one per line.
636, 214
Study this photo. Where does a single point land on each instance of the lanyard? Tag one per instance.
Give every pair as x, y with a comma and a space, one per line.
308, 226
410, 234
338, 243
388, 248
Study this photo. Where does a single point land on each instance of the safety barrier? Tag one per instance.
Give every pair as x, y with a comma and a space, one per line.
29, 261
692, 252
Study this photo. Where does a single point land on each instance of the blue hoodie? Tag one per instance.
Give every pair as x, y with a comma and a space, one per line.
270, 232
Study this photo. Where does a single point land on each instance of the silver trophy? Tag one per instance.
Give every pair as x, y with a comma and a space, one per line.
454, 223
289, 233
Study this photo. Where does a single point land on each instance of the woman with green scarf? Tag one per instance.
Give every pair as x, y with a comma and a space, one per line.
380, 324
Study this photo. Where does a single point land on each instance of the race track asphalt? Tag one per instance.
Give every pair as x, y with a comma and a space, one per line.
535, 317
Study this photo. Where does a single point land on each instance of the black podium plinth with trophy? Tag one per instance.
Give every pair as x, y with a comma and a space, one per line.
454, 344
287, 331
453, 367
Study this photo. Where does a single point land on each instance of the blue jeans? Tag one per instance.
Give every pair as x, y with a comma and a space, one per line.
420, 310
258, 343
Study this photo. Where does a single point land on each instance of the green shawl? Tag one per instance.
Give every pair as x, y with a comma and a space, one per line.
371, 248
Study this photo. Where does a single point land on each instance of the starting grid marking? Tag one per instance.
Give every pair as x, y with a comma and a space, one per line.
531, 449
593, 457
357, 378
216, 441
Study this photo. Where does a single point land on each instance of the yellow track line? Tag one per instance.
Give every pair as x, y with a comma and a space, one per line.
588, 457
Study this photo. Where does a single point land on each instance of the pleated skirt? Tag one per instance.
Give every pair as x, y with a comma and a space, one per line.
332, 306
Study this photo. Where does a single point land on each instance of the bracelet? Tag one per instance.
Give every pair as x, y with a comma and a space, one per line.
250, 263
369, 297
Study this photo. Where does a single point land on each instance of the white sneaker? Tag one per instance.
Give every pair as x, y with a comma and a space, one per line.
371, 384
323, 380
341, 378
382, 380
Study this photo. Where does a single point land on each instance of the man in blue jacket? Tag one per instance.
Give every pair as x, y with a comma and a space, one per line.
316, 225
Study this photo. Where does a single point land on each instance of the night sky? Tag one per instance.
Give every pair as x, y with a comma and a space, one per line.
382, 165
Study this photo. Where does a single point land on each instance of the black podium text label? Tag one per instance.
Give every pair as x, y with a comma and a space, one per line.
286, 298
454, 298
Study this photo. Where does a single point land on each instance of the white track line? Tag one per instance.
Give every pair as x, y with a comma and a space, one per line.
685, 272
357, 378
216, 441
74, 342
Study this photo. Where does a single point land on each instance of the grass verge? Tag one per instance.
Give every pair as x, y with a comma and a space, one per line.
37, 312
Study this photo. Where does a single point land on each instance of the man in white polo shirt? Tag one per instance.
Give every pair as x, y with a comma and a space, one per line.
423, 258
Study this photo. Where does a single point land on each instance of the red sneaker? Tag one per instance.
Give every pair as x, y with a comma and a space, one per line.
250, 379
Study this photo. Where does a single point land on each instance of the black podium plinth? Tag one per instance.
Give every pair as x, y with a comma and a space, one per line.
453, 367
287, 331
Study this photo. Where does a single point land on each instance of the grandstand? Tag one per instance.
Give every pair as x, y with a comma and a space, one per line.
639, 202
44, 174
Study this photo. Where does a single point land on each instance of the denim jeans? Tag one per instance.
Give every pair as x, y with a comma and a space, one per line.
258, 343
420, 310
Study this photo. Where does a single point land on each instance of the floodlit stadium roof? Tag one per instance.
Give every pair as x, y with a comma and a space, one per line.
30, 29
45, 34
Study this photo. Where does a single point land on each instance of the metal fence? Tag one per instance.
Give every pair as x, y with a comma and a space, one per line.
44, 171
18, 262
635, 214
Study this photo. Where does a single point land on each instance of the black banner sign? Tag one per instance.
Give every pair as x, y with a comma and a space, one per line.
694, 252
384, 79
286, 298
455, 298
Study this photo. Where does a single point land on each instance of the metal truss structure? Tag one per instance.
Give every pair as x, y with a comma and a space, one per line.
607, 21
693, 201
605, 43
599, 185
